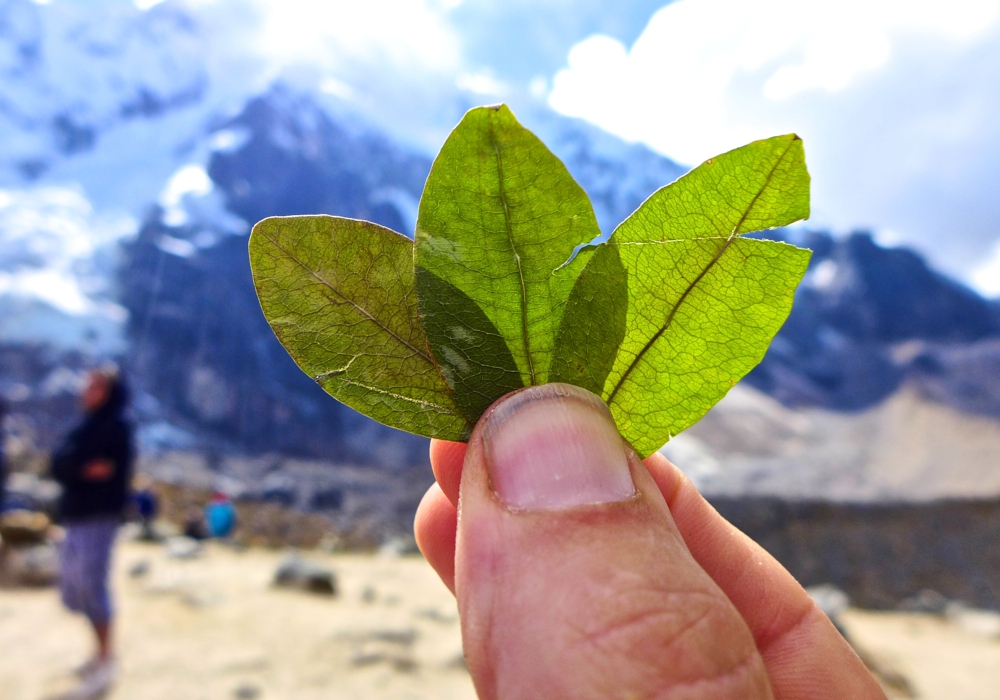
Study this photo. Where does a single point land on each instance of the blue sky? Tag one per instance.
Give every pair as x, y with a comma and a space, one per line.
896, 99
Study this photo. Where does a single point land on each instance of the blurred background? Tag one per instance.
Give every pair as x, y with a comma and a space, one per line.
140, 141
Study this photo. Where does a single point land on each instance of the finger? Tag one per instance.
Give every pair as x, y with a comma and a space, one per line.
805, 655
572, 580
446, 461
434, 528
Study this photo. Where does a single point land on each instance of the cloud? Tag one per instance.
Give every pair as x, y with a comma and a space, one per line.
393, 61
896, 102
985, 278
55, 248
119, 91
400, 33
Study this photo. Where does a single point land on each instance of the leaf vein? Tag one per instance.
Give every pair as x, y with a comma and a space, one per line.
357, 307
694, 283
517, 257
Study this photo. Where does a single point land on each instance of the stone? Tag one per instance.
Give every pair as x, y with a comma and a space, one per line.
31, 492
246, 691
397, 546
32, 566
183, 548
830, 599
21, 527
980, 623
295, 572
926, 601
139, 569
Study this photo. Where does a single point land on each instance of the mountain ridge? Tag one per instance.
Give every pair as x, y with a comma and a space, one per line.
168, 291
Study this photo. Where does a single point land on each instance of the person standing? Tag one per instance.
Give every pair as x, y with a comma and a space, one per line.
94, 467
220, 516
3, 463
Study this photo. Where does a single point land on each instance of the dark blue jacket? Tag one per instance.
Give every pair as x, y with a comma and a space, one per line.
3, 465
104, 434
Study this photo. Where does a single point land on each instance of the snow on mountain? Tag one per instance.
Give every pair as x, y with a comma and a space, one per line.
100, 94
199, 342
108, 109
617, 176
99, 103
57, 265
135, 155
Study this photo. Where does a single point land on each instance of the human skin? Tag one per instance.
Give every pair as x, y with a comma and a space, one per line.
583, 572
95, 392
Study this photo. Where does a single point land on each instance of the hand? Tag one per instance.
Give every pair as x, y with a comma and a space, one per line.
97, 470
584, 573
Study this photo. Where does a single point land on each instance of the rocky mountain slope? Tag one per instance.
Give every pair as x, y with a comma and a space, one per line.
119, 107
193, 313
869, 319
906, 448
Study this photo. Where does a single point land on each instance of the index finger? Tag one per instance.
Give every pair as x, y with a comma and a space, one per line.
805, 655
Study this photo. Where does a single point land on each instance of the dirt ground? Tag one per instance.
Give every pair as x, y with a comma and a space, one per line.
213, 628
939, 659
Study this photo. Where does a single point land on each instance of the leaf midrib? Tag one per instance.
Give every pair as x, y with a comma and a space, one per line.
357, 307
513, 248
697, 280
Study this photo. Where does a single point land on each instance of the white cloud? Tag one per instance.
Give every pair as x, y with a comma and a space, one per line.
51, 242
394, 61
190, 63
896, 101
695, 54
480, 84
338, 88
986, 278
395, 32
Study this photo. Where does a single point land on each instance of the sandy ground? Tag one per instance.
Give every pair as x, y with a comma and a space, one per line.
940, 660
213, 628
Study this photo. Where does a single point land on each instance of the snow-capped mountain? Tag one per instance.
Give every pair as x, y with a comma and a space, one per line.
108, 109
134, 155
200, 343
100, 103
131, 169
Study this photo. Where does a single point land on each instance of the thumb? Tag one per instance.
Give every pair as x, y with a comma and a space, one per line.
572, 579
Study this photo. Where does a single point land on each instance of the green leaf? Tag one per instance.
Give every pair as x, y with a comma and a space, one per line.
593, 324
499, 289
339, 295
705, 303
499, 218
471, 353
